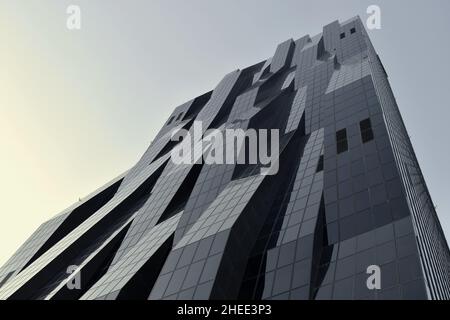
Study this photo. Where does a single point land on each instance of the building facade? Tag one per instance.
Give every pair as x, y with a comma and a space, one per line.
348, 197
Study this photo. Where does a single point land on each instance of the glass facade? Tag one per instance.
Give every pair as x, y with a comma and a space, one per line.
349, 195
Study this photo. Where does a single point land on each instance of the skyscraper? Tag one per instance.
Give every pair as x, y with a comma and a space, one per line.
346, 215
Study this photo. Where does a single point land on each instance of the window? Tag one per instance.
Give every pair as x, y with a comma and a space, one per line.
170, 120
341, 141
320, 164
352, 30
366, 130
179, 116
342, 35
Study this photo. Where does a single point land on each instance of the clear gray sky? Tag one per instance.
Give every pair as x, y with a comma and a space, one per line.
79, 107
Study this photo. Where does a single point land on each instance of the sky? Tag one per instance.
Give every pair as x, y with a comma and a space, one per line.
79, 107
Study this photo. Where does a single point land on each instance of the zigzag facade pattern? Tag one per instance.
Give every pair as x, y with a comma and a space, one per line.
349, 194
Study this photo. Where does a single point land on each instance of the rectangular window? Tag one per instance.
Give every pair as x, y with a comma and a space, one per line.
342, 35
320, 164
366, 130
352, 30
341, 141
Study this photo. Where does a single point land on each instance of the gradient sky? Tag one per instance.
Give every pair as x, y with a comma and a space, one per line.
77, 108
